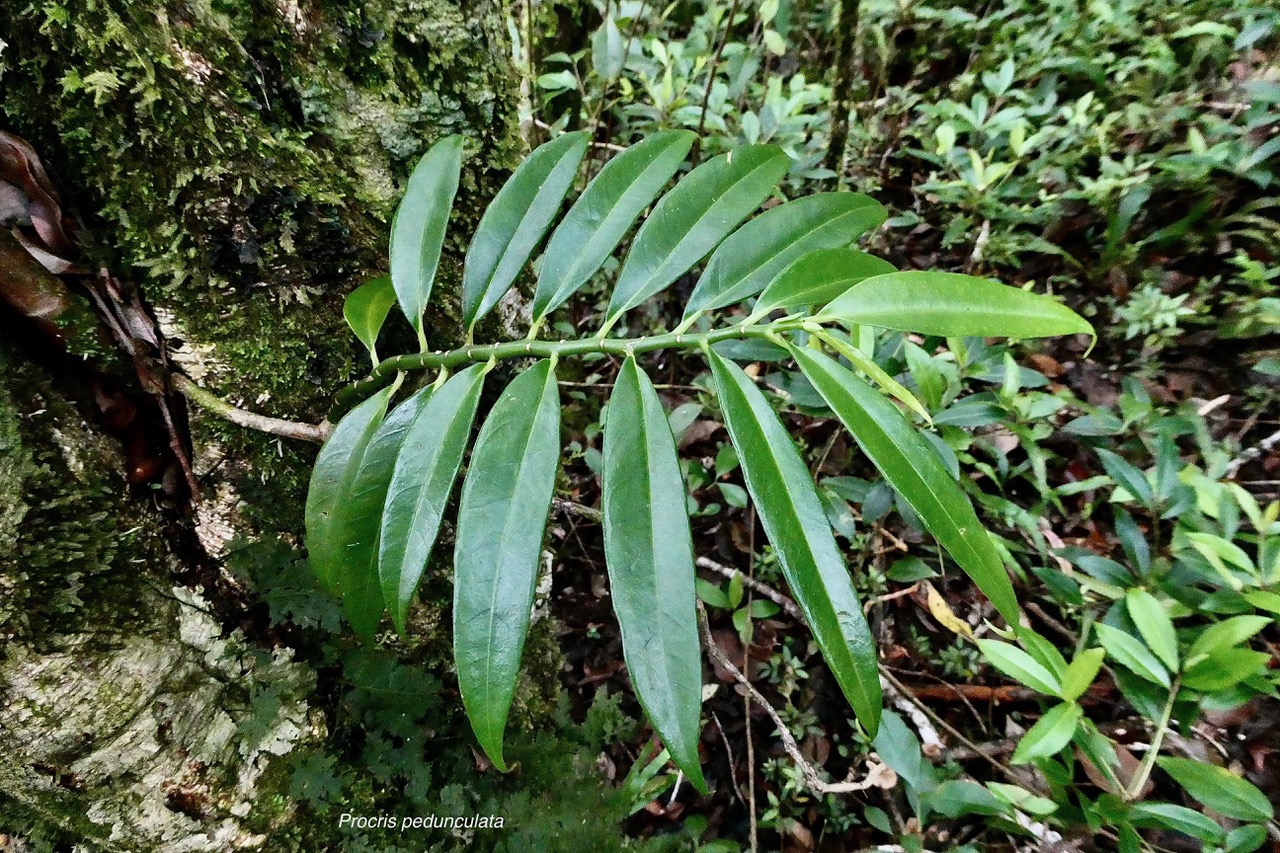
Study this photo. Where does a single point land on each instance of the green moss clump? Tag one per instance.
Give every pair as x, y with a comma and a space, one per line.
70, 538
242, 159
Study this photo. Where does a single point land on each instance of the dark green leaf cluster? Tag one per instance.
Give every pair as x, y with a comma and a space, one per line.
383, 480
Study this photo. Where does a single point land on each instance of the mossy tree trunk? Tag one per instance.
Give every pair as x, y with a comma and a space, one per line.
237, 161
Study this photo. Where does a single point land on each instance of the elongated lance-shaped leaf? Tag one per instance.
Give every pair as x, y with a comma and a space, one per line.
795, 522
360, 514
649, 554
913, 468
365, 310
501, 518
420, 487
819, 277
754, 254
693, 218
417, 233
515, 221
601, 216
331, 482
954, 305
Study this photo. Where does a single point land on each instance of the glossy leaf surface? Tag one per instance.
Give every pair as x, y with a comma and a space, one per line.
361, 514
757, 252
793, 518
515, 221
954, 305
501, 519
365, 310
819, 277
332, 479
649, 554
420, 486
601, 216
913, 468
693, 218
417, 232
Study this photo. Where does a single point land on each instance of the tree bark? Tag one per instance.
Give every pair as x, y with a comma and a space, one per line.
238, 164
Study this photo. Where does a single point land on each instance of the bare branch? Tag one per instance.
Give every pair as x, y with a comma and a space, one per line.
316, 433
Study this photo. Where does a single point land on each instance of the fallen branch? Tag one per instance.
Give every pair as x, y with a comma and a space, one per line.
213, 404
1265, 446
813, 780
791, 608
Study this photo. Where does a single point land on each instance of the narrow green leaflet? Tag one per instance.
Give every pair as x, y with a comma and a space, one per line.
1126, 476
1219, 789
1129, 652
501, 519
862, 361
1020, 666
331, 481
601, 216
1050, 734
515, 221
361, 514
1153, 623
757, 252
1081, 673
795, 522
417, 232
365, 310
421, 484
819, 277
951, 304
649, 554
1179, 818
913, 468
693, 218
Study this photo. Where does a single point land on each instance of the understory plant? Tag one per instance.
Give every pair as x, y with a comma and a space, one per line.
385, 476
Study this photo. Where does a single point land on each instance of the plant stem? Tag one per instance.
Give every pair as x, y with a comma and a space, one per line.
1140, 778
274, 426
620, 347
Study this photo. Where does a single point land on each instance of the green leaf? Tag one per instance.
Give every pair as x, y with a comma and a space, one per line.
1226, 634
874, 372
1081, 673
417, 232
366, 309
421, 484
331, 481
693, 218
1223, 669
817, 278
502, 516
1154, 625
601, 216
914, 470
1130, 653
957, 797
1177, 818
361, 511
795, 522
954, 305
757, 252
1130, 478
515, 221
1020, 666
649, 555
1050, 734
1219, 789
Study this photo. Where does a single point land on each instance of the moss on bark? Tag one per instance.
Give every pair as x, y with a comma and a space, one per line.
241, 160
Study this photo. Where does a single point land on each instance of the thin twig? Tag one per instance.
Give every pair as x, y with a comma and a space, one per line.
791, 608
274, 426
812, 779
1265, 446
711, 79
